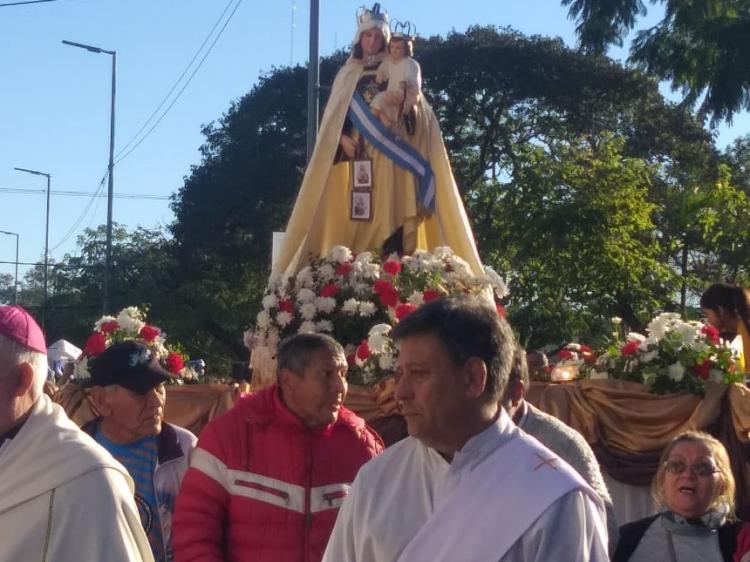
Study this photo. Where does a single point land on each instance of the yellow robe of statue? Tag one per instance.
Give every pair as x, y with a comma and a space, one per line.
321, 216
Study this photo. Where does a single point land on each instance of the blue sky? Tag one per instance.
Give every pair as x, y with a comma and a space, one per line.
55, 103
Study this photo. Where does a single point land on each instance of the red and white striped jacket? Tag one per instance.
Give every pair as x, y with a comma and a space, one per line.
263, 487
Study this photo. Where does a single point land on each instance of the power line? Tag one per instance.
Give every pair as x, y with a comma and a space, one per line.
25, 2
177, 82
67, 193
83, 214
187, 83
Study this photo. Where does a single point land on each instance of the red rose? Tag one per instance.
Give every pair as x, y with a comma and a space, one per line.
430, 295
95, 344
363, 350
404, 309
630, 348
500, 310
701, 370
329, 290
711, 333
287, 305
149, 333
343, 269
388, 294
381, 285
565, 354
174, 363
584, 348
109, 327
392, 267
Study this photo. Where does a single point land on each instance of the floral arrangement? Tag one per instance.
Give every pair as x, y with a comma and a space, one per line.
358, 299
674, 356
129, 324
573, 361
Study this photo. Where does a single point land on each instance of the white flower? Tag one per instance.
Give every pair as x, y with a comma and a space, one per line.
324, 326
263, 320
416, 298
307, 327
380, 329
377, 343
305, 295
308, 311
350, 306
305, 277
497, 283
131, 319
103, 320
269, 301
82, 369
635, 336
676, 371
648, 356
363, 258
283, 318
658, 327
326, 305
326, 272
366, 309
573, 346
386, 362
340, 254
616, 320
689, 331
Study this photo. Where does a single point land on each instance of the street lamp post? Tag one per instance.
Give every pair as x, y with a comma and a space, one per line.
15, 290
110, 173
46, 241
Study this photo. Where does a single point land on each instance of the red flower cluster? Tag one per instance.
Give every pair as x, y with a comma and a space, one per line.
363, 350
711, 333
701, 370
95, 344
392, 267
386, 292
344, 269
630, 348
404, 309
174, 363
149, 333
329, 290
287, 305
430, 295
109, 327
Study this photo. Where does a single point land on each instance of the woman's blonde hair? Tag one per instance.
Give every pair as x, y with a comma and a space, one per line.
720, 457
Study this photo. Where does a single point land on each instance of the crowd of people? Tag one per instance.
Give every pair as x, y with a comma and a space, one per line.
291, 474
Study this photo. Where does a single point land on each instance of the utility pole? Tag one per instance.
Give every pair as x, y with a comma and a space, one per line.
313, 85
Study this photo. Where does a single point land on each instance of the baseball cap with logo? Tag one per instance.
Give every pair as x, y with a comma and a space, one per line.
18, 325
130, 364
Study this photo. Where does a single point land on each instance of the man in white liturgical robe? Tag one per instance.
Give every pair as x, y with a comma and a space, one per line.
467, 485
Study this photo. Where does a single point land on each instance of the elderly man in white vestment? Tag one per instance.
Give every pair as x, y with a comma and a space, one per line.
466, 485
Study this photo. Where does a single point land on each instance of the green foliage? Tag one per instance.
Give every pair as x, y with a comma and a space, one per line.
702, 46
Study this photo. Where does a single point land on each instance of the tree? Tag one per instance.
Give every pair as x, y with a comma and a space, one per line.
701, 47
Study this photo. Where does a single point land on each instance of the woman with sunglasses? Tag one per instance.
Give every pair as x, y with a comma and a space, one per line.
694, 489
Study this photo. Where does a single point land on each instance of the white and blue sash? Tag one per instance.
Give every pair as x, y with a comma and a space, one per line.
395, 148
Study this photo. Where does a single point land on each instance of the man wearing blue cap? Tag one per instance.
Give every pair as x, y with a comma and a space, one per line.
127, 389
62, 496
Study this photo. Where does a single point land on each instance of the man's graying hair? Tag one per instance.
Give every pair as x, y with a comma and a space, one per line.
295, 352
13, 353
467, 327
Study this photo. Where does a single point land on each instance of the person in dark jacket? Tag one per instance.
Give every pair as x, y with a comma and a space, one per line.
268, 477
695, 488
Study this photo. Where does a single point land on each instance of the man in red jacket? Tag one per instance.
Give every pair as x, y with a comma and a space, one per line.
268, 477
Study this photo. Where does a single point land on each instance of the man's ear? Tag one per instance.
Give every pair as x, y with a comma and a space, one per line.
476, 372
25, 379
99, 399
517, 391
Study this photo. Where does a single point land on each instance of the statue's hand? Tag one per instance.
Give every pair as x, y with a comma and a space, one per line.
348, 145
